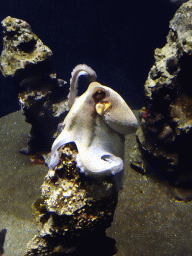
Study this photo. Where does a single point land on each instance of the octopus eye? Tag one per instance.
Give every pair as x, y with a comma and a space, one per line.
99, 95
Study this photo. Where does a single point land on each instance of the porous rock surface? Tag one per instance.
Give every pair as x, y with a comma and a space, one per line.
72, 208
20, 47
165, 134
42, 96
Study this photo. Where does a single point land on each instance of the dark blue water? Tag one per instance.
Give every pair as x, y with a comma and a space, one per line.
117, 39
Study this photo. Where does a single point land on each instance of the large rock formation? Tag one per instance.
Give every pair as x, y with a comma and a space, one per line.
165, 134
74, 211
42, 96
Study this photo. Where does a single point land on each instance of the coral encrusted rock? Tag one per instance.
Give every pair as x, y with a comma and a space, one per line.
74, 209
21, 47
165, 135
42, 96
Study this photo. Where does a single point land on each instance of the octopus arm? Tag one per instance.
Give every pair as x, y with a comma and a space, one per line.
60, 141
99, 165
81, 69
103, 154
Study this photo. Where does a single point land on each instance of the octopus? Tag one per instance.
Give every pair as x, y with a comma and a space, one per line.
97, 122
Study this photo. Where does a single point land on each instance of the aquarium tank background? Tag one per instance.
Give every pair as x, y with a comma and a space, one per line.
116, 39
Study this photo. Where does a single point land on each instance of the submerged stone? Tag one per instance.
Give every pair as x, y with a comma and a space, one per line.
72, 207
165, 134
21, 47
42, 96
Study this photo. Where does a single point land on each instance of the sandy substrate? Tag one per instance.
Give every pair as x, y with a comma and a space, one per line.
147, 221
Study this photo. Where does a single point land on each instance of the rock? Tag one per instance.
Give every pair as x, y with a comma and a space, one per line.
42, 96
165, 134
73, 207
21, 47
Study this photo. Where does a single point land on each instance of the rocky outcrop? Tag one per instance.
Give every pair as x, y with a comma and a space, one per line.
74, 210
165, 134
42, 96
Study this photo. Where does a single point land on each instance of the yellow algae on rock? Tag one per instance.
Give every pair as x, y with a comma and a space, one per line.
72, 207
21, 47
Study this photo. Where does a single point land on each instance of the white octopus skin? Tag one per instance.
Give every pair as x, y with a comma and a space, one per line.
99, 137
81, 69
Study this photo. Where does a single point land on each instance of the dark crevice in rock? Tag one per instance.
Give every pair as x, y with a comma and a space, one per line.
27, 47
184, 76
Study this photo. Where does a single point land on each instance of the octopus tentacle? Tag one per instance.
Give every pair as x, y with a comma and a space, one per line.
79, 70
